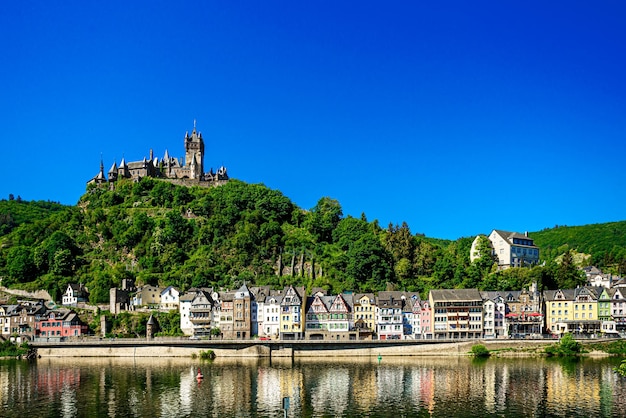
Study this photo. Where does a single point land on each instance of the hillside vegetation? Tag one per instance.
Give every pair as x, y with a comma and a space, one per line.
14, 212
159, 233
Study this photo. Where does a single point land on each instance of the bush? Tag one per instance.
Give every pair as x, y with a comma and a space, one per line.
480, 350
11, 349
568, 346
621, 369
207, 355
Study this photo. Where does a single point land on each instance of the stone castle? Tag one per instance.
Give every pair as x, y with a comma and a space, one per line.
188, 172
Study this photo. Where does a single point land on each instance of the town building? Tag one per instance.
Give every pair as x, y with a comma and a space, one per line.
389, 319
513, 249
203, 311
268, 312
364, 314
75, 293
457, 313
243, 310
292, 308
169, 298
147, 296
60, 324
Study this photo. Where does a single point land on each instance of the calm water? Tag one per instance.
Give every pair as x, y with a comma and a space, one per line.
329, 387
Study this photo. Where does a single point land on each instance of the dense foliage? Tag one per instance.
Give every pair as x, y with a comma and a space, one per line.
567, 346
479, 350
160, 233
15, 211
604, 244
11, 349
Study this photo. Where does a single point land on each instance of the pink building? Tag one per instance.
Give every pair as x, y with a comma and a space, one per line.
60, 323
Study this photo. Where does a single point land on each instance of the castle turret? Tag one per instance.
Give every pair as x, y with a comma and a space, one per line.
113, 172
99, 178
122, 171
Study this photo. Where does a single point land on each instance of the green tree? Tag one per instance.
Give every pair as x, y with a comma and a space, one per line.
568, 275
324, 218
20, 265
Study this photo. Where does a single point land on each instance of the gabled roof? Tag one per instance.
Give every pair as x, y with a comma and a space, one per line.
370, 296
457, 295
509, 236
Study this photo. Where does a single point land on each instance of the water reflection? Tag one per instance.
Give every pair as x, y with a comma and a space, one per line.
331, 387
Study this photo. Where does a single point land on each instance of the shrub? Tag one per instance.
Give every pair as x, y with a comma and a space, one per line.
568, 346
621, 369
480, 350
207, 355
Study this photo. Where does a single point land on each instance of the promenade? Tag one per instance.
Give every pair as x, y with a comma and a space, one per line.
177, 347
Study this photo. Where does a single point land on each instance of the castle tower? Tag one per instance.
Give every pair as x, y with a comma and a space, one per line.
122, 170
99, 178
194, 146
113, 172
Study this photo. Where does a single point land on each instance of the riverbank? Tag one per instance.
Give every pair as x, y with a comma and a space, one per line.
284, 349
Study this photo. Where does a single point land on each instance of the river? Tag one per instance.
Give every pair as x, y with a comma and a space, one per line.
329, 387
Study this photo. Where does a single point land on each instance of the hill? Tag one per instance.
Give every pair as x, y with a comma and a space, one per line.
163, 234
604, 243
14, 212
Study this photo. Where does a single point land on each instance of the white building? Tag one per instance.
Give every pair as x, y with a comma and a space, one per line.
184, 308
513, 249
169, 298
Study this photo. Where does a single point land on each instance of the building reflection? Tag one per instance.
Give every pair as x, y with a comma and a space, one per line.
446, 386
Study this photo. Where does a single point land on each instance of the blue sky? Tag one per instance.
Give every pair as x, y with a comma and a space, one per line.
456, 117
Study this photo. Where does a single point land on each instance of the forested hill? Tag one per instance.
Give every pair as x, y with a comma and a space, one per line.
159, 233
606, 242
15, 211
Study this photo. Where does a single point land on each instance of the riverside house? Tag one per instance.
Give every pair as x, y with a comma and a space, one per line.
457, 313
292, 308
61, 323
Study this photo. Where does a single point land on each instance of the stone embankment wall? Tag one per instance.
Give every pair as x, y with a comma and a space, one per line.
39, 294
278, 350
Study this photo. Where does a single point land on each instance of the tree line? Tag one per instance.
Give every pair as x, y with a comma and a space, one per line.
162, 234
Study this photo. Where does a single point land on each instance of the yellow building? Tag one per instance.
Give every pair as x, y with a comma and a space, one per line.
365, 310
292, 309
572, 310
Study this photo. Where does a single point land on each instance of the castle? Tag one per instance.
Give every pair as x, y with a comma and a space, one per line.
189, 173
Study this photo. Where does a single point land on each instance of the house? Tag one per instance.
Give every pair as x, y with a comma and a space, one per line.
425, 320
524, 312
225, 321
184, 309
329, 317
147, 296
61, 323
572, 310
389, 319
244, 305
74, 294
559, 309
618, 308
23, 318
413, 327
457, 313
292, 308
203, 310
364, 314
513, 249
268, 312
6, 312
169, 298
596, 278
494, 311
